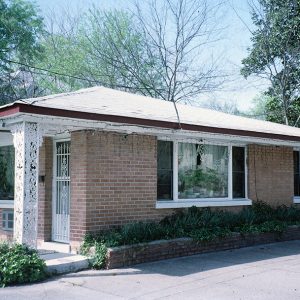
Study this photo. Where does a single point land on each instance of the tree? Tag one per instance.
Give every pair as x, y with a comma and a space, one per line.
275, 52
156, 51
268, 108
20, 30
228, 107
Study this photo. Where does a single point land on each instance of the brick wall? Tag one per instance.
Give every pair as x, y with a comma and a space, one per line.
115, 175
270, 174
45, 191
135, 254
79, 185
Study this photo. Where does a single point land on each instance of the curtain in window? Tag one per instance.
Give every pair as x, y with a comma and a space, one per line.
202, 171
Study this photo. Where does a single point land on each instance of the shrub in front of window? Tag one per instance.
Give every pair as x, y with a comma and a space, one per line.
201, 224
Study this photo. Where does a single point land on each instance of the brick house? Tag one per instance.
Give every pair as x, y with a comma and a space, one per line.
85, 161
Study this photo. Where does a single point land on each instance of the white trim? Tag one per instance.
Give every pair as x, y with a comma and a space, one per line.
57, 139
175, 171
246, 171
207, 202
62, 137
229, 167
7, 204
72, 124
296, 199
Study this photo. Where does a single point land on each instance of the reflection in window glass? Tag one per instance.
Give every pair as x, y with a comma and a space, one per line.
7, 171
164, 170
202, 171
296, 174
238, 172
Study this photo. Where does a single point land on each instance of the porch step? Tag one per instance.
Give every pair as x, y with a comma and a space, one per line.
57, 247
61, 263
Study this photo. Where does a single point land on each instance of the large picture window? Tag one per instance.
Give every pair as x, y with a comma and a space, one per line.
202, 171
191, 171
7, 171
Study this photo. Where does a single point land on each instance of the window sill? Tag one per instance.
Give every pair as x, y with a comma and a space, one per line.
7, 230
6, 203
296, 200
213, 202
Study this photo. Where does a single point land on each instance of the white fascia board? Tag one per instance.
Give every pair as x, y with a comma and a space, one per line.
60, 125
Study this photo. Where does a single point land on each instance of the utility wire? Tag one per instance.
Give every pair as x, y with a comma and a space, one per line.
85, 79
70, 76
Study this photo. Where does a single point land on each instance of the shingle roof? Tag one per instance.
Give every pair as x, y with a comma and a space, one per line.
101, 100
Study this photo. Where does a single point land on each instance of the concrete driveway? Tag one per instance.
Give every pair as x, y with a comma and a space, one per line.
261, 272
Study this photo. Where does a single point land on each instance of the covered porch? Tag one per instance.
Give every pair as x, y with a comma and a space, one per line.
35, 182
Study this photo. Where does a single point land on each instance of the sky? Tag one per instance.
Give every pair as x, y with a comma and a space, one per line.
232, 48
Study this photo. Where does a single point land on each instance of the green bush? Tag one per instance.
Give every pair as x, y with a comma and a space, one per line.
201, 224
99, 258
19, 264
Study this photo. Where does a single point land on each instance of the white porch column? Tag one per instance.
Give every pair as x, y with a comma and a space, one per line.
27, 138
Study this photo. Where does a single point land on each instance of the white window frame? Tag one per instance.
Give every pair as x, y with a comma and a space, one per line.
296, 199
205, 202
5, 219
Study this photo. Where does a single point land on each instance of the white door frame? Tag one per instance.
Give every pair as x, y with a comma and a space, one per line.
64, 235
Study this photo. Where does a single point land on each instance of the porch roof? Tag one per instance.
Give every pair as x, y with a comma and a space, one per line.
104, 104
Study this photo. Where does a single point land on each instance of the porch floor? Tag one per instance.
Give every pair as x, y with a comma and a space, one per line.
60, 263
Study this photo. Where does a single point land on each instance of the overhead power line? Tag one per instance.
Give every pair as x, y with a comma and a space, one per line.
62, 74
85, 79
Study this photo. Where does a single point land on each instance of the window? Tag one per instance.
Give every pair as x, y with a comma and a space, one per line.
296, 174
164, 170
188, 172
238, 172
202, 171
7, 220
7, 172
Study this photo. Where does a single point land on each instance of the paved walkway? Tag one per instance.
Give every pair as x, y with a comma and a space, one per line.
261, 272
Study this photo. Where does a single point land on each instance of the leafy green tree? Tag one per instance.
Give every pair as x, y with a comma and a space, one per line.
268, 107
20, 30
275, 52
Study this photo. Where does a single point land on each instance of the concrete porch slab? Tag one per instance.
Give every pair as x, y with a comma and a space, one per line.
54, 246
61, 263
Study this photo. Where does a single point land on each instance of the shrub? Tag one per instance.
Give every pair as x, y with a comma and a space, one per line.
209, 234
19, 264
201, 224
99, 258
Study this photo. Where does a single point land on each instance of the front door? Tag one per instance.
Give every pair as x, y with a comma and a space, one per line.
61, 192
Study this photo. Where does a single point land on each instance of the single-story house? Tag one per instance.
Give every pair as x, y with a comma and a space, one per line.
89, 160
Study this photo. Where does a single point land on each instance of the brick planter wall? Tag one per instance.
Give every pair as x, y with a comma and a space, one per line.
134, 254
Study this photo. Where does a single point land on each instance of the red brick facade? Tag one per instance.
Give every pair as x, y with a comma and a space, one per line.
45, 190
114, 181
270, 174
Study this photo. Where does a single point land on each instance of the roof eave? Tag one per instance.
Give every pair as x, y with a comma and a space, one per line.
17, 108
